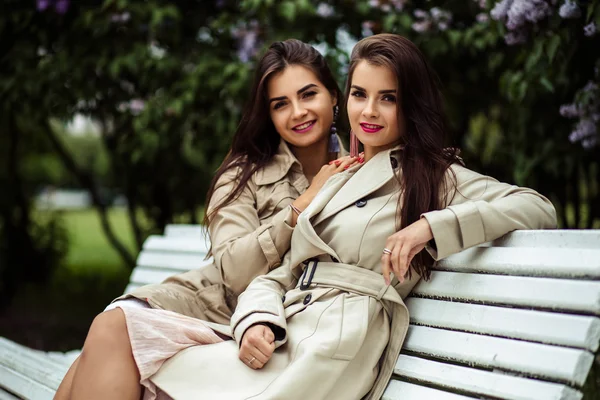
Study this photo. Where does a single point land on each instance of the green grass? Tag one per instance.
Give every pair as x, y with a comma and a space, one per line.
89, 248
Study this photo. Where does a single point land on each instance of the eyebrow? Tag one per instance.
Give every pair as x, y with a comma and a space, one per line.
381, 91
300, 91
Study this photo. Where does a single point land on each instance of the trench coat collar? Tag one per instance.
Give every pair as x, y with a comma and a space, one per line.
367, 178
337, 195
281, 163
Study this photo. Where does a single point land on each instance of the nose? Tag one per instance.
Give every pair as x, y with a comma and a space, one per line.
299, 111
370, 110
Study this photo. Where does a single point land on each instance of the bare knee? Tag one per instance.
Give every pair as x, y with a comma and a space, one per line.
108, 332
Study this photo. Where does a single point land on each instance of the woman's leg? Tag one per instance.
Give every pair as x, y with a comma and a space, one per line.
64, 390
106, 368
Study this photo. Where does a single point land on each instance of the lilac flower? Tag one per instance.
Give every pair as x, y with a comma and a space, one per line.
500, 10
399, 4
61, 6
374, 3
482, 18
325, 10
42, 4
526, 10
515, 37
247, 36
481, 3
590, 29
420, 13
569, 111
136, 106
421, 26
367, 28
569, 9
585, 129
123, 17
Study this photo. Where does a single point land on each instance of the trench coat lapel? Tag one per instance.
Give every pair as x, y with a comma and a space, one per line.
306, 243
367, 179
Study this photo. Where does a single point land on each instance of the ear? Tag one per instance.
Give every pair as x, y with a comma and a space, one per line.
334, 99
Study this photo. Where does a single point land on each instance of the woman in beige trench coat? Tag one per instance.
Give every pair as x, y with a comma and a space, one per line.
271, 165
329, 323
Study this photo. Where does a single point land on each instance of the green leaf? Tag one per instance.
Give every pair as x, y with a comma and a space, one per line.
552, 46
547, 84
287, 9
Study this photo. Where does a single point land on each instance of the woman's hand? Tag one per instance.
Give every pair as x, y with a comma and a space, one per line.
404, 245
324, 174
258, 344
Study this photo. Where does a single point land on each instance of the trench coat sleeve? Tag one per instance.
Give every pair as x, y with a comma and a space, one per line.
242, 247
262, 302
482, 209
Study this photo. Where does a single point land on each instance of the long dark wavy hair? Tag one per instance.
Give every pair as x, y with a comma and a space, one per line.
425, 157
256, 141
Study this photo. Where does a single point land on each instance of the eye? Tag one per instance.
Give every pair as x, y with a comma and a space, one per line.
357, 93
278, 105
308, 94
389, 97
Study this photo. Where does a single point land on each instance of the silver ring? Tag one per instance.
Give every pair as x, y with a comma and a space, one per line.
250, 362
387, 251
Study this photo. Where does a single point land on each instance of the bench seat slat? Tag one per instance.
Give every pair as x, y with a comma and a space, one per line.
410, 391
171, 260
552, 362
179, 245
549, 293
22, 367
145, 276
6, 395
548, 262
184, 230
481, 382
551, 238
539, 326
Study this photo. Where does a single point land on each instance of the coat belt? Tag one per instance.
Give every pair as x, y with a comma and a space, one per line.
354, 279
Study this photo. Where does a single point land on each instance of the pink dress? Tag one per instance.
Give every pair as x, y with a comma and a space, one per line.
157, 335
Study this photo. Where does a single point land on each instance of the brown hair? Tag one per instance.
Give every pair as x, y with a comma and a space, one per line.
424, 159
256, 141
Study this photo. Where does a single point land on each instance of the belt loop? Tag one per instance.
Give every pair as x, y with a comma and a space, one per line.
306, 284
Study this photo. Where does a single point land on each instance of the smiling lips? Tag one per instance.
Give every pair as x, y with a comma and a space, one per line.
305, 127
370, 128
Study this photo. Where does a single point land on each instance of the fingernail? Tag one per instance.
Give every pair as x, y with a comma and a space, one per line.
337, 163
346, 167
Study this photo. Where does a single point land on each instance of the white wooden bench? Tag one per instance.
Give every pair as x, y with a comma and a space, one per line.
514, 319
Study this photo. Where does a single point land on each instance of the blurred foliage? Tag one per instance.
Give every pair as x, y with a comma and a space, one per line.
166, 80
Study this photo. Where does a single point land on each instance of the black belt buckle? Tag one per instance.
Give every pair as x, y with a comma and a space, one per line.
304, 285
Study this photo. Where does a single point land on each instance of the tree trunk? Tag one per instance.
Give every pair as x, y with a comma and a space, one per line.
87, 181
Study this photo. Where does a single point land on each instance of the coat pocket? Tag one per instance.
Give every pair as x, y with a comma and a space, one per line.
211, 301
354, 322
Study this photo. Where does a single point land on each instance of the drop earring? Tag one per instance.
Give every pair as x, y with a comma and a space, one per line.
353, 144
334, 142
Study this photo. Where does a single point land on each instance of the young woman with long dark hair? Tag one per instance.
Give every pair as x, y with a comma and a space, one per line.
329, 323
283, 151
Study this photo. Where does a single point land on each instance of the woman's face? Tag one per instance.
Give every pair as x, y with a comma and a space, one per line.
300, 106
374, 107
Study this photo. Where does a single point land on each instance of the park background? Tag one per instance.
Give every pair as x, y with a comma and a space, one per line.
114, 115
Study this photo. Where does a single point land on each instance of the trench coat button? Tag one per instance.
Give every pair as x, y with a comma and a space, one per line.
307, 299
394, 162
361, 203
283, 298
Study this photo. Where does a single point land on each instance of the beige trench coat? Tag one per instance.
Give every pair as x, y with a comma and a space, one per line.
249, 237
340, 333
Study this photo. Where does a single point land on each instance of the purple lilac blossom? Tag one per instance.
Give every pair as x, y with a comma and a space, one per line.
515, 37
399, 4
569, 111
367, 28
482, 18
481, 3
590, 29
42, 4
421, 26
61, 6
585, 129
526, 10
136, 106
569, 9
500, 10
325, 10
